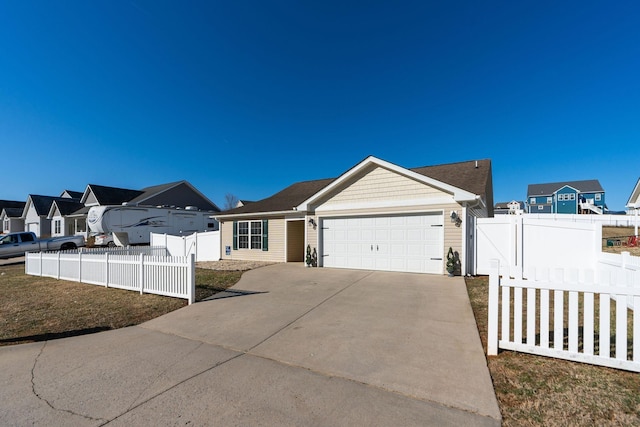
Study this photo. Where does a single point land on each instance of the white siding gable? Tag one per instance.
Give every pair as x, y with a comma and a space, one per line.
380, 187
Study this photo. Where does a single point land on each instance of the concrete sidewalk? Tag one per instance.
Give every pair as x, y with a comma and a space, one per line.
286, 346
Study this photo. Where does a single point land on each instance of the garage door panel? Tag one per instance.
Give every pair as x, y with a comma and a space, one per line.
397, 243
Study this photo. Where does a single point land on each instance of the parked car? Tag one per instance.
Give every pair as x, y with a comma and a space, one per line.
17, 244
103, 239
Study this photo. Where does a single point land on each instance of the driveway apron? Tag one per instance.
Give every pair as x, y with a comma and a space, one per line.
287, 345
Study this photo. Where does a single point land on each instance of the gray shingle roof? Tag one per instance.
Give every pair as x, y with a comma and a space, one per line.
547, 189
13, 212
42, 204
73, 194
67, 206
180, 193
463, 175
11, 204
113, 195
286, 199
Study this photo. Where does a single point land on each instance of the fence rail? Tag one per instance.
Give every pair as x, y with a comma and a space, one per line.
128, 250
584, 316
161, 275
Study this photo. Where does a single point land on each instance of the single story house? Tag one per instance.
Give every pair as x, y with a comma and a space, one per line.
65, 218
633, 204
508, 208
376, 215
569, 197
36, 212
11, 216
634, 198
174, 194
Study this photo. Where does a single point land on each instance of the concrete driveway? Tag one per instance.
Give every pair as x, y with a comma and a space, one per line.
287, 345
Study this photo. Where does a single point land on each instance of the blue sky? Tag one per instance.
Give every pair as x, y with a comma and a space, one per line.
247, 97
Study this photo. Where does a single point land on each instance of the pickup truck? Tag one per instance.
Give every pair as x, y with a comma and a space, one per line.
17, 244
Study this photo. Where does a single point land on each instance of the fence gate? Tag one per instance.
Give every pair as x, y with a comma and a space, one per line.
573, 314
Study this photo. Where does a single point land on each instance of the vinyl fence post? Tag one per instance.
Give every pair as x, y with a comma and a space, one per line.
40, 263
494, 292
58, 259
141, 266
192, 278
106, 269
80, 266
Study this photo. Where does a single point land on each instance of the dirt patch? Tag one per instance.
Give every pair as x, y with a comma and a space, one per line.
617, 240
232, 265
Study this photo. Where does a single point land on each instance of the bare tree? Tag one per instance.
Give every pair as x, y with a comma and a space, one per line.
230, 201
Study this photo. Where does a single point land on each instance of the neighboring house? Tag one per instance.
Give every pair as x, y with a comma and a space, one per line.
179, 194
11, 216
68, 218
68, 194
376, 216
242, 203
570, 197
36, 212
99, 195
633, 204
176, 194
506, 208
634, 199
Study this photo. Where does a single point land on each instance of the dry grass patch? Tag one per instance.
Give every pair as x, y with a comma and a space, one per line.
39, 308
619, 235
535, 390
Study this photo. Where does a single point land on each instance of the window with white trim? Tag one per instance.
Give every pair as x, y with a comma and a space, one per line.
532, 201
540, 207
249, 234
598, 197
56, 225
549, 200
6, 225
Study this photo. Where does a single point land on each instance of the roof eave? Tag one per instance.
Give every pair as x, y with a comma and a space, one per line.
459, 195
258, 214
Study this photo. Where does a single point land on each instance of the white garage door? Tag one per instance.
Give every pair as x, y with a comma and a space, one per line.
411, 243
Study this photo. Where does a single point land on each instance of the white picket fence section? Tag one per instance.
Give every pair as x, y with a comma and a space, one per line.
161, 275
554, 313
205, 246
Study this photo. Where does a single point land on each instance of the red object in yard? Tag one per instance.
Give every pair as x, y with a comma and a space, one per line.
632, 241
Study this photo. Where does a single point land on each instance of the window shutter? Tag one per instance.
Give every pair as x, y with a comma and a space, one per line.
265, 235
235, 235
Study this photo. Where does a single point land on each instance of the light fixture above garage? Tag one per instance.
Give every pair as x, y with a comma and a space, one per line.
312, 222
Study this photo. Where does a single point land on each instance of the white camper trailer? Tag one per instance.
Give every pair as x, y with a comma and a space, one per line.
132, 225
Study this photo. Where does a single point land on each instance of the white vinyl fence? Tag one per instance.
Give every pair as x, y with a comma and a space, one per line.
553, 292
205, 246
161, 275
579, 315
522, 243
607, 219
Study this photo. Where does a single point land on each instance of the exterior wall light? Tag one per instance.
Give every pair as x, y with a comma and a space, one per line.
455, 218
